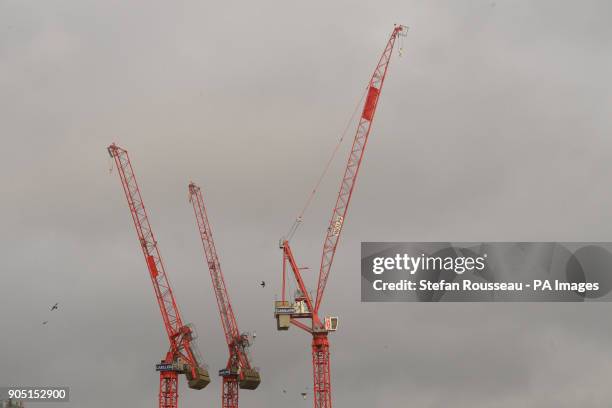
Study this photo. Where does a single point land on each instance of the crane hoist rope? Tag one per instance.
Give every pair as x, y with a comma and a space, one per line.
300, 218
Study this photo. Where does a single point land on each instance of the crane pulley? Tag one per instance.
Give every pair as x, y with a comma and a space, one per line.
182, 357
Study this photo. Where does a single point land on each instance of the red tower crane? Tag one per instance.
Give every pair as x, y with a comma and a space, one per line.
303, 306
238, 372
182, 357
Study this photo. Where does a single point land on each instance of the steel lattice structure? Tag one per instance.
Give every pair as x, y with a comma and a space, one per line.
238, 372
181, 357
303, 306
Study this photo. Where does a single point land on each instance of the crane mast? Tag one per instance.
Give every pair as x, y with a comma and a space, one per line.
303, 306
238, 372
182, 357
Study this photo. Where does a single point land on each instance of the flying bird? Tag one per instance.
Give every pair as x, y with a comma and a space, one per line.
263, 284
54, 307
45, 322
304, 395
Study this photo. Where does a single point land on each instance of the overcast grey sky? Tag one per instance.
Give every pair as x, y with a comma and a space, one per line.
494, 125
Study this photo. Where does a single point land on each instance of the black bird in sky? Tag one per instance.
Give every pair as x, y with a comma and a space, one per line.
54, 307
45, 322
263, 284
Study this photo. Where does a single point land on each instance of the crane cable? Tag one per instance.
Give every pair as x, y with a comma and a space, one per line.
300, 217
400, 51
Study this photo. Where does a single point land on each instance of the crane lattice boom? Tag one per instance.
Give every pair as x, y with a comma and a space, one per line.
352, 167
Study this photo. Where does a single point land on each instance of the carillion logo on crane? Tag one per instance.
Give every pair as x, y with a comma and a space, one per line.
167, 367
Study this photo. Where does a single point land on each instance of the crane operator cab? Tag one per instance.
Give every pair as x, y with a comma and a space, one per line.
331, 323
